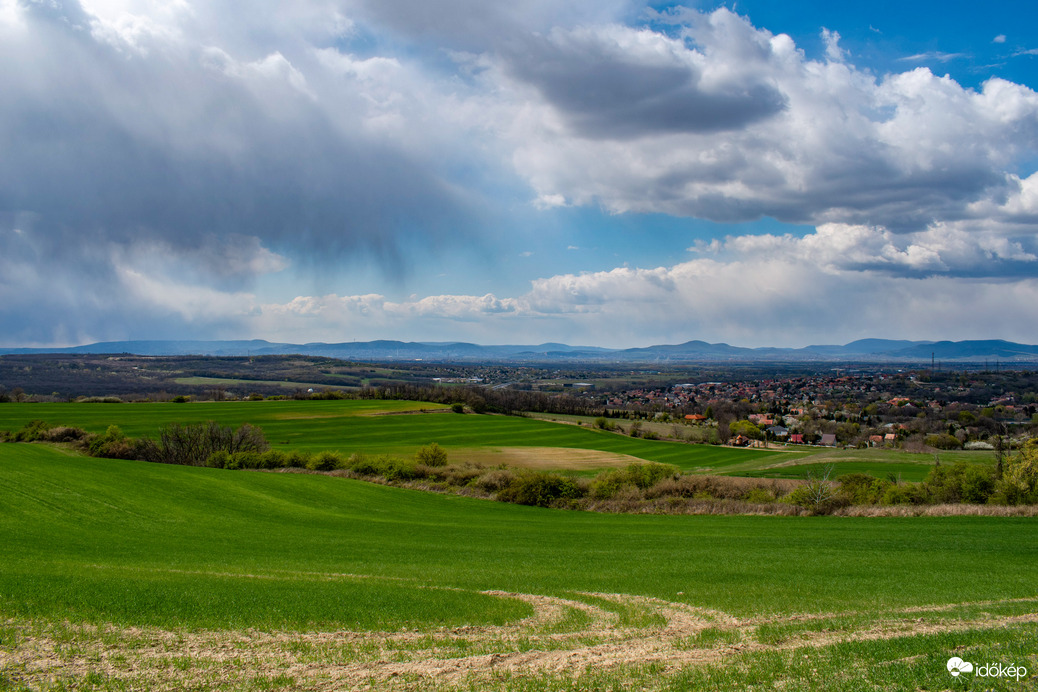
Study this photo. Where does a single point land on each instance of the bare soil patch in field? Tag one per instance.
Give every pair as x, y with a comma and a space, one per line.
565, 636
543, 458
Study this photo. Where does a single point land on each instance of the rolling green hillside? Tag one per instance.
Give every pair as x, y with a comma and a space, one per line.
127, 575
361, 426
401, 427
136, 542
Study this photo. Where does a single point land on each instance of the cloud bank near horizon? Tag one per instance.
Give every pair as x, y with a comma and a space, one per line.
162, 160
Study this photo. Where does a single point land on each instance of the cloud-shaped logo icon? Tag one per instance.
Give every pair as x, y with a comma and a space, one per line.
956, 665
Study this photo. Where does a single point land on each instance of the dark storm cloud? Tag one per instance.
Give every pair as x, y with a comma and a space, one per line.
76, 292
607, 90
101, 145
156, 158
869, 191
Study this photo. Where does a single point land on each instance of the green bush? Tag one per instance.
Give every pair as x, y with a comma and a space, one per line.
961, 482
817, 494
639, 475
109, 445
759, 496
940, 487
394, 469
540, 489
245, 460
817, 502
273, 459
862, 489
326, 461
220, 459
978, 483
607, 484
361, 464
747, 428
1019, 482
296, 459
898, 495
431, 455
800, 497
384, 466
33, 431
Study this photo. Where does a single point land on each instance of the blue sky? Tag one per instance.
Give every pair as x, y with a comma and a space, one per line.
604, 172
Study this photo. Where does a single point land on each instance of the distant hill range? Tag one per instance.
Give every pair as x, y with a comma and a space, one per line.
864, 350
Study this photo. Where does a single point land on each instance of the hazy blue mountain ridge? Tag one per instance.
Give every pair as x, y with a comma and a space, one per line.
871, 350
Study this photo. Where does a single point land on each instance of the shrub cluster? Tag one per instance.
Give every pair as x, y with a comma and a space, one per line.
1019, 482
33, 431
114, 444
634, 476
388, 468
189, 445
40, 431
541, 489
192, 444
431, 455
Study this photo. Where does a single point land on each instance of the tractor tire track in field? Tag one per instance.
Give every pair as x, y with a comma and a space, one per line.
564, 637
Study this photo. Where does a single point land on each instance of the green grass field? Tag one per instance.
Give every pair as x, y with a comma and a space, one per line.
369, 426
881, 463
911, 471
356, 426
118, 574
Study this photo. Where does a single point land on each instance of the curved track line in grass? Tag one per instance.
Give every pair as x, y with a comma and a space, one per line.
42, 653
549, 611
681, 617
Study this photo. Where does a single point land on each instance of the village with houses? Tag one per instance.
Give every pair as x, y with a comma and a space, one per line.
912, 410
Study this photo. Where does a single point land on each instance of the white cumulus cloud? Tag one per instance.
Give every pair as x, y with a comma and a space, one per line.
725, 121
